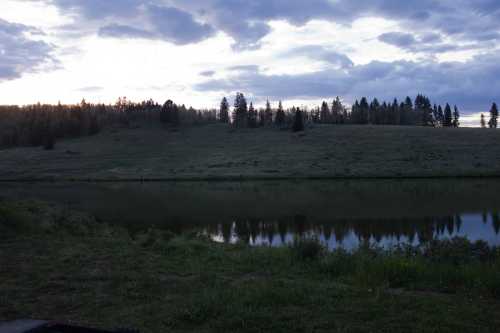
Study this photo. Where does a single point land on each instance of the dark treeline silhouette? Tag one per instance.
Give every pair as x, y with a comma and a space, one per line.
43, 125
419, 112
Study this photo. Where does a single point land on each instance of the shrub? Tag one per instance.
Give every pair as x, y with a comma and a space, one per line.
308, 248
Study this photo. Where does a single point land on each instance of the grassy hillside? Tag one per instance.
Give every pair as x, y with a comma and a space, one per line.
217, 151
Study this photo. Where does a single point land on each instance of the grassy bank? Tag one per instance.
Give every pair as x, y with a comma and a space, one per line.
217, 152
59, 264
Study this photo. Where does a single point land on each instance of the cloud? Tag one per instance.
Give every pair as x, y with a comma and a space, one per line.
19, 53
472, 85
248, 21
178, 26
321, 53
400, 39
123, 31
207, 73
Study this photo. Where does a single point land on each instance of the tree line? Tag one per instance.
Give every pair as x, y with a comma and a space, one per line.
43, 125
411, 113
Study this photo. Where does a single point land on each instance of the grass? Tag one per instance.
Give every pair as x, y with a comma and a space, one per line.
60, 264
216, 152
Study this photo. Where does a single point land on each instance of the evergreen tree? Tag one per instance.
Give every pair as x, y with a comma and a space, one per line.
298, 121
407, 112
252, 116
325, 113
364, 110
456, 117
424, 110
493, 123
224, 111
280, 115
337, 110
268, 114
483, 121
240, 112
356, 113
448, 117
262, 118
440, 116
374, 112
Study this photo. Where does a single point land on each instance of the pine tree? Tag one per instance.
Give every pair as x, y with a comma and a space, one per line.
483, 121
355, 113
298, 121
456, 117
240, 112
337, 110
440, 116
268, 114
448, 117
280, 115
325, 113
252, 116
493, 123
407, 112
224, 111
424, 109
395, 115
374, 112
364, 110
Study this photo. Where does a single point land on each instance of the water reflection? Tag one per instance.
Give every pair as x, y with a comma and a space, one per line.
340, 213
350, 234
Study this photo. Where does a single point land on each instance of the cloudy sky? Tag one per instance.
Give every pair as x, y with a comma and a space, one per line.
301, 51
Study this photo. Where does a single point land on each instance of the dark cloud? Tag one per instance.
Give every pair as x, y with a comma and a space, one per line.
19, 53
471, 85
429, 43
319, 52
178, 26
207, 73
123, 31
247, 21
403, 40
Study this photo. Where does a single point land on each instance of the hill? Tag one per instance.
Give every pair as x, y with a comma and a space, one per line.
219, 152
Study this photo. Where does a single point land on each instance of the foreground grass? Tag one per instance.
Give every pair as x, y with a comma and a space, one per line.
58, 264
219, 152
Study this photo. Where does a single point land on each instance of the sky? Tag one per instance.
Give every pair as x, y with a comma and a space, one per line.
300, 51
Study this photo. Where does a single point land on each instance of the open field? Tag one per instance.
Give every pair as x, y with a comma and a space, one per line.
218, 152
60, 264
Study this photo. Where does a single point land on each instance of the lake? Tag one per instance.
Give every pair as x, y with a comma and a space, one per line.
339, 213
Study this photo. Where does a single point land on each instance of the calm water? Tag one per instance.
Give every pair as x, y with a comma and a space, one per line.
339, 213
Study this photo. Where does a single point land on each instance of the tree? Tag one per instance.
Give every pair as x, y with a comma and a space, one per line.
407, 112
324, 113
493, 123
240, 112
424, 108
364, 110
224, 111
374, 112
440, 116
298, 121
280, 115
169, 113
337, 110
252, 116
268, 114
456, 117
448, 117
483, 121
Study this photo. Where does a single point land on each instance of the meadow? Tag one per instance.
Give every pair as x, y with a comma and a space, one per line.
219, 152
